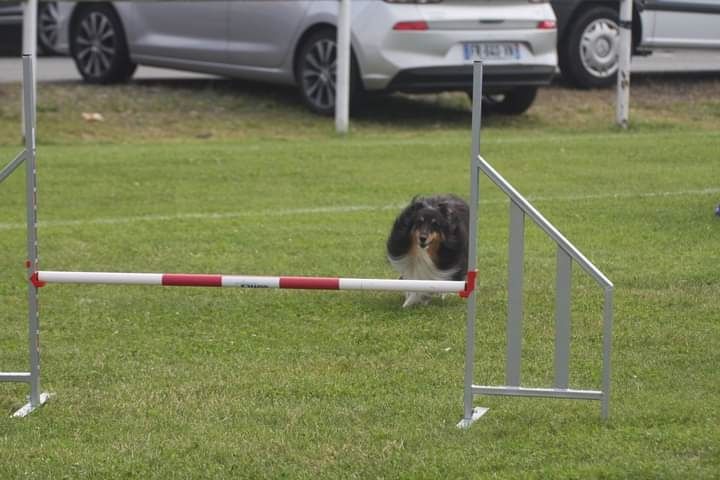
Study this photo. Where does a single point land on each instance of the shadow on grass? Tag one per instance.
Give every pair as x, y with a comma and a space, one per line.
446, 109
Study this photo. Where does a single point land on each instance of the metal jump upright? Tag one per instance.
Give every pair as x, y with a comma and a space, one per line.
37, 397
566, 254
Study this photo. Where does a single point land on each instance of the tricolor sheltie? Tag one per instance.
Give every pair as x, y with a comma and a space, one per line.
429, 241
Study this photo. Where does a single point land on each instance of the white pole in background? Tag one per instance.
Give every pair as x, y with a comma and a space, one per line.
624, 49
29, 43
29, 40
342, 85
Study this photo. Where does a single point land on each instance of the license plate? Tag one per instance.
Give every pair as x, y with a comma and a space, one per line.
491, 51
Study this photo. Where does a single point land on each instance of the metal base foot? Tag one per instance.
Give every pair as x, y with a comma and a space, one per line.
28, 408
477, 412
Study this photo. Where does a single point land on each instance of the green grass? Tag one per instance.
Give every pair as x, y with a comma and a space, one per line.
204, 383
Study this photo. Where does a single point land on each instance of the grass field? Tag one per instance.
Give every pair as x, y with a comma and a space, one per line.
231, 178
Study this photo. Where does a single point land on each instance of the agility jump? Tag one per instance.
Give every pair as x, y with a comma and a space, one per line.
41, 278
519, 209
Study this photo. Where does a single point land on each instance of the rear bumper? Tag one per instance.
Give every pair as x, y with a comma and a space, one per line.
495, 78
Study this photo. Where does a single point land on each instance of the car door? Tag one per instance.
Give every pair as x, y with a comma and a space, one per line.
180, 30
683, 23
260, 32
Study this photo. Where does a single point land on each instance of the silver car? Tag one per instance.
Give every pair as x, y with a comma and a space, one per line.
397, 45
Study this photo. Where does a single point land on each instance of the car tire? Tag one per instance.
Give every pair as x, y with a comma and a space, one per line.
99, 47
48, 28
513, 102
315, 72
588, 56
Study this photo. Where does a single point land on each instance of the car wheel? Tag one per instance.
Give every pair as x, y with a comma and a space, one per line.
589, 55
316, 69
513, 102
98, 46
48, 27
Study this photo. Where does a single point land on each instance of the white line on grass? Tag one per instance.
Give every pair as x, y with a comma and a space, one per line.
501, 139
338, 209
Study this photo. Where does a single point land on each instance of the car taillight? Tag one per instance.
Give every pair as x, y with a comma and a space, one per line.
547, 25
418, 25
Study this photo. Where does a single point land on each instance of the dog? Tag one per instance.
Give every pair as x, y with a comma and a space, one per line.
429, 241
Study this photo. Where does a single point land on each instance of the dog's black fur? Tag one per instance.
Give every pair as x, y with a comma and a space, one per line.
430, 229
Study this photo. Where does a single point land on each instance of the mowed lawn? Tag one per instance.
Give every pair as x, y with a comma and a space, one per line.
153, 382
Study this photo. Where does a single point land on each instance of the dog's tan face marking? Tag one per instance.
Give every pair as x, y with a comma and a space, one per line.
425, 238
433, 244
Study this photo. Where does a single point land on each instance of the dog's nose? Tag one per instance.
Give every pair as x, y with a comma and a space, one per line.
423, 240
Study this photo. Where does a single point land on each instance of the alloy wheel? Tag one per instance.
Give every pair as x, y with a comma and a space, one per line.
96, 41
48, 26
319, 74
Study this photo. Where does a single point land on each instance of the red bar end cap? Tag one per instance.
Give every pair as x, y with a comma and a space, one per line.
469, 284
35, 280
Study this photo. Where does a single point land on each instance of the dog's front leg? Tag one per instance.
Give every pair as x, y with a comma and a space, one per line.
416, 298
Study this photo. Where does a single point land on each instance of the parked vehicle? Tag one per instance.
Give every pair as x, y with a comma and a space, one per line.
11, 13
397, 45
588, 33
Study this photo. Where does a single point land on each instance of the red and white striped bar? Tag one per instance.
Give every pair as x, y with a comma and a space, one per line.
40, 278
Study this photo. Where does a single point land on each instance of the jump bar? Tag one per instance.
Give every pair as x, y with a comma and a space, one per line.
41, 278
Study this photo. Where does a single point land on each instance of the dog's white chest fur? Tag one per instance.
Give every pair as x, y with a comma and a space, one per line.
418, 265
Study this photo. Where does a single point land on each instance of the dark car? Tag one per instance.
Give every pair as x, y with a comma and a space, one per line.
588, 33
11, 15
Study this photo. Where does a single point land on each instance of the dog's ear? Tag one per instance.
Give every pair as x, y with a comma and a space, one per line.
446, 210
449, 214
417, 203
407, 216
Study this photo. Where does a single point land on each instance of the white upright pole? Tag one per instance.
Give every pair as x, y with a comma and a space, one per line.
623, 80
29, 39
342, 85
29, 42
